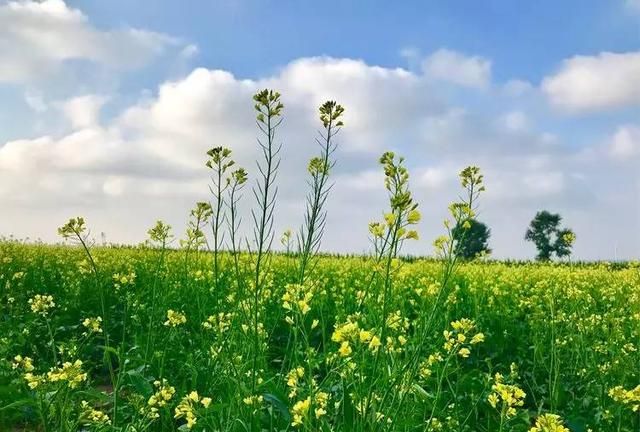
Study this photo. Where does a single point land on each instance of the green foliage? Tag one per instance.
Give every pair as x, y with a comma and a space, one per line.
160, 233
472, 239
545, 232
75, 227
595, 329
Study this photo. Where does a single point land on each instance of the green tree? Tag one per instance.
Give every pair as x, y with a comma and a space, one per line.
472, 240
545, 232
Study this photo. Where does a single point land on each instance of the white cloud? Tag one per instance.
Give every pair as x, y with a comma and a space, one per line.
625, 143
189, 51
515, 121
590, 83
125, 171
35, 101
457, 68
38, 37
83, 111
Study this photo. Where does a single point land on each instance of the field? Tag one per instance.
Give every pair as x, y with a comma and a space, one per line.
497, 348
219, 332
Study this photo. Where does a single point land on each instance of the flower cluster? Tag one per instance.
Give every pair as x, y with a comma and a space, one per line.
626, 397
300, 410
426, 367
297, 298
175, 319
187, 408
71, 373
34, 381
91, 415
41, 304
24, 363
549, 423
121, 280
160, 232
508, 396
221, 322
163, 394
459, 340
292, 380
74, 227
253, 400
350, 332
93, 325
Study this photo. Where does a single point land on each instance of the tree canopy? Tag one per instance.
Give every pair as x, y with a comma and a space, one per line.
472, 240
545, 232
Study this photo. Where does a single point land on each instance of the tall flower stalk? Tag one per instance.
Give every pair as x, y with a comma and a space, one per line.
268, 118
160, 235
219, 162
388, 237
238, 182
310, 234
195, 240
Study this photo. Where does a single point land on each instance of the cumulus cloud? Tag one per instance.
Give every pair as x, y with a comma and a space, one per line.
146, 162
457, 68
37, 37
591, 83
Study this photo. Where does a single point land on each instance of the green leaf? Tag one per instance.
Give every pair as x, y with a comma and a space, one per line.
280, 406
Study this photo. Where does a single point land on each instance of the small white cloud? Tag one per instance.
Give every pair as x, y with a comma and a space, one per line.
410, 53
35, 101
590, 83
189, 51
515, 121
625, 143
83, 111
457, 68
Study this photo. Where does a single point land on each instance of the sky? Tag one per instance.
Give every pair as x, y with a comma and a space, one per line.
108, 109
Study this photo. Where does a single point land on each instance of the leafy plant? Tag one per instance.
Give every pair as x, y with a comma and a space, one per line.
545, 232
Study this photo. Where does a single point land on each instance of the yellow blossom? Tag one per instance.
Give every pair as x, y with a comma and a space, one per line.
175, 319
93, 324
69, 372
299, 411
345, 349
41, 304
549, 423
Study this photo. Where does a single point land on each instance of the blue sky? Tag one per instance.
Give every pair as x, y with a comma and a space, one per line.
544, 95
250, 38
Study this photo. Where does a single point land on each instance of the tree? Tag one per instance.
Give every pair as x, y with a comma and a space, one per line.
545, 232
472, 240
